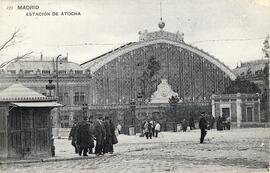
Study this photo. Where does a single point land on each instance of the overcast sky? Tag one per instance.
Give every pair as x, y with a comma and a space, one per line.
119, 21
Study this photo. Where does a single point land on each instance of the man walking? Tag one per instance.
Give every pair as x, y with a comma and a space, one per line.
157, 129
83, 136
99, 134
202, 126
73, 135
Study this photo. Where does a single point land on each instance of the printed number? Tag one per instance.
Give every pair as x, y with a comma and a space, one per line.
9, 7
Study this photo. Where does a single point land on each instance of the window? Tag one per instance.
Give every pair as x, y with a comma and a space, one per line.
28, 71
79, 98
66, 100
61, 72
60, 95
78, 72
45, 71
12, 71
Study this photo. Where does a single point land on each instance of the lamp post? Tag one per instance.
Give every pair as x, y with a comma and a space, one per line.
132, 106
50, 93
58, 122
139, 98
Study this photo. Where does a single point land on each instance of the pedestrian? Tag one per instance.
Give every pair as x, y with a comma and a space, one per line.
113, 138
153, 124
73, 136
146, 129
83, 136
191, 122
119, 127
202, 126
219, 124
157, 129
212, 121
184, 125
108, 146
99, 134
150, 128
91, 141
223, 118
228, 123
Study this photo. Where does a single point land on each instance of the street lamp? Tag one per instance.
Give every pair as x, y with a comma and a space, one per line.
140, 99
132, 106
58, 122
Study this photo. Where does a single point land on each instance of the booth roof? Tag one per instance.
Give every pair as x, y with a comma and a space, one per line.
18, 92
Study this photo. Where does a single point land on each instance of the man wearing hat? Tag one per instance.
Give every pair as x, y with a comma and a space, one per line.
73, 135
202, 126
83, 135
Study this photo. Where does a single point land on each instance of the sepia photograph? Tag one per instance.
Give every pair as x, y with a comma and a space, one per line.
125, 86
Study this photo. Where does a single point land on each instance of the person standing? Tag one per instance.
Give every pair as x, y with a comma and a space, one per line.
108, 139
184, 125
113, 138
228, 123
219, 124
157, 129
83, 136
73, 136
119, 127
146, 129
202, 126
99, 134
191, 122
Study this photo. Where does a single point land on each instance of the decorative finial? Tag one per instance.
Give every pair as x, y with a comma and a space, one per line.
161, 24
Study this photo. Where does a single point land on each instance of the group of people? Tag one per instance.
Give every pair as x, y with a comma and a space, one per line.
223, 123
151, 128
83, 134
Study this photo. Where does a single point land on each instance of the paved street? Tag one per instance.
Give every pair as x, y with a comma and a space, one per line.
238, 150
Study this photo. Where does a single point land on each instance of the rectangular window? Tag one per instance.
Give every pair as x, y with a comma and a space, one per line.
61, 72
66, 99
45, 71
78, 72
79, 98
60, 95
82, 97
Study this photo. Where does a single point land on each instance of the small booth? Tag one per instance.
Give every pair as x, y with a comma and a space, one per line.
243, 109
25, 123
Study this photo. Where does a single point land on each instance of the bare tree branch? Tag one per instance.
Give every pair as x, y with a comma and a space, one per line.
15, 59
11, 41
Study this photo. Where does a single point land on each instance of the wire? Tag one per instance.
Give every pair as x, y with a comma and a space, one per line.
229, 40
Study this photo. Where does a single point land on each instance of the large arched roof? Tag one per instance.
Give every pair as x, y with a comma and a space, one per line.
100, 61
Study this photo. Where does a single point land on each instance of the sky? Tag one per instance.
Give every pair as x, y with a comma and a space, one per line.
107, 24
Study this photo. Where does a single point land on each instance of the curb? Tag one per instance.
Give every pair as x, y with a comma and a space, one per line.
54, 159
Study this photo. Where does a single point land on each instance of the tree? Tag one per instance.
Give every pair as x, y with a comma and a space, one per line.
173, 109
148, 77
242, 86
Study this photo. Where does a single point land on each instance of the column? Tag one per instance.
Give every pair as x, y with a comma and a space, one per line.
238, 110
213, 108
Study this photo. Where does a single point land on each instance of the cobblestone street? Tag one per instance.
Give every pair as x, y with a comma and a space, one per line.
238, 150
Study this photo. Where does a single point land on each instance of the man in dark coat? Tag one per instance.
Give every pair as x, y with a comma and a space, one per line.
202, 126
73, 136
83, 136
99, 133
184, 125
91, 140
191, 122
219, 124
108, 140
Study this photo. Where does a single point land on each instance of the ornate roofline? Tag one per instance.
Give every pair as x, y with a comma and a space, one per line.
101, 61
